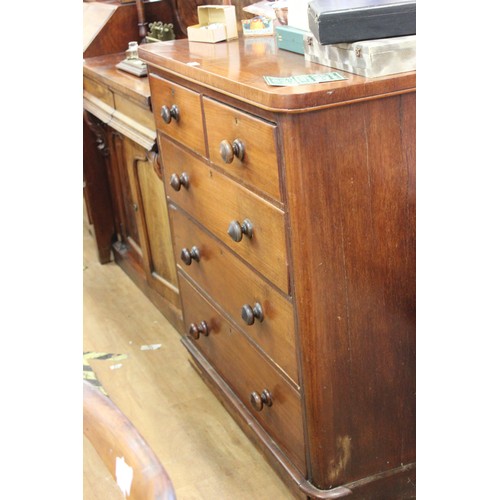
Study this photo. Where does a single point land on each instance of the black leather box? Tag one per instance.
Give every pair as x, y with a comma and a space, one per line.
339, 21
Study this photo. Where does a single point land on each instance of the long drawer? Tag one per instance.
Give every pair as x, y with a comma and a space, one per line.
247, 372
238, 290
219, 204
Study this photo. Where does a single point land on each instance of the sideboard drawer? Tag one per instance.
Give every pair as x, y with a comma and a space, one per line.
97, 90
134, 111
231, 133
246, 372
233, 285
181, 108
219, 203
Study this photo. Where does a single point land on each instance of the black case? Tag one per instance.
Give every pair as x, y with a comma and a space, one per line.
339, 21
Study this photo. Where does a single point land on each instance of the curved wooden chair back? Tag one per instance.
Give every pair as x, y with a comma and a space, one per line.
133, 464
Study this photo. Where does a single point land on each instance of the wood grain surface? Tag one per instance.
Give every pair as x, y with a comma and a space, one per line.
259, 166
216, 201
246, 371
219, 272
236, 68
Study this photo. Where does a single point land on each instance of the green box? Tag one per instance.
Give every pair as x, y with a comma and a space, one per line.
289, 38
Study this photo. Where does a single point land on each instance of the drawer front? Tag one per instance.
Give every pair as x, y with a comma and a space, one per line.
135, 112
232, 284
99, 91
246, 371
258, 166
187, 128
217, 202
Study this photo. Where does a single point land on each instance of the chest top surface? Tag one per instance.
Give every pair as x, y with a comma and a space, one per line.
236, 68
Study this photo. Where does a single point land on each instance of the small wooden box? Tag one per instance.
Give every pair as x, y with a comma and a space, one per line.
216, 23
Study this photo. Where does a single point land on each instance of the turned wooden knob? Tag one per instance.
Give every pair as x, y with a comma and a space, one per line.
259, 400
229, 150
237, 230
187, 256
250, 314
169, 114
196, 329
177, 181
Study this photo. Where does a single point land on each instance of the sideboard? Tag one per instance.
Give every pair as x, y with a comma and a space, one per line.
292, 212
124, 183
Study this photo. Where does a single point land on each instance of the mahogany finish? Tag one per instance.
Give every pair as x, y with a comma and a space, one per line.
258, 166
365, 354
139, 235
96, 186
246, 371
188, 126
346, 163
266, 249
250, 62
219, 271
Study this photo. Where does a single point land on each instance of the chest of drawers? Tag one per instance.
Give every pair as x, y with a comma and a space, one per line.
293, 218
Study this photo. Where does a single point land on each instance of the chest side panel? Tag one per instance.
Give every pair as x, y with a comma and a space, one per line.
351, 201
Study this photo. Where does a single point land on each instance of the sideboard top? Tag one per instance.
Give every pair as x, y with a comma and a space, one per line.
236, 68
103, 69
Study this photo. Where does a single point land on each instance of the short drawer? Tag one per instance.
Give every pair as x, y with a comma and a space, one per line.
234, 286
219, 204
177, 113
99, 91
232, 135
246, 372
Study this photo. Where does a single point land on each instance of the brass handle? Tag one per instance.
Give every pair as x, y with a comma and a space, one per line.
229, 150
259, 400
187, 256
250, 314
196, 329
237, 230
177, 181
169, 114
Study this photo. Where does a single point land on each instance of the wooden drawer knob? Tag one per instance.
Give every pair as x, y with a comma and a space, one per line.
229, 150
177, 181
237, 230
169, 114
196, 329
187, 256
259, 400
250, 314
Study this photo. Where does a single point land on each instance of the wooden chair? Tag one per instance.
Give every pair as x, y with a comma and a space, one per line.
135, 467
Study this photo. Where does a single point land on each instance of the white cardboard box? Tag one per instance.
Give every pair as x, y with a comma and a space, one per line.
216, 23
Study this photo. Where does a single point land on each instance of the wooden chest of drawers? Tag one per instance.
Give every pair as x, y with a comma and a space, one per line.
293, 219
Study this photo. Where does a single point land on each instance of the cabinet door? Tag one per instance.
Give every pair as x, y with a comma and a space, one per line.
158, 254
145, 249
126, 207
